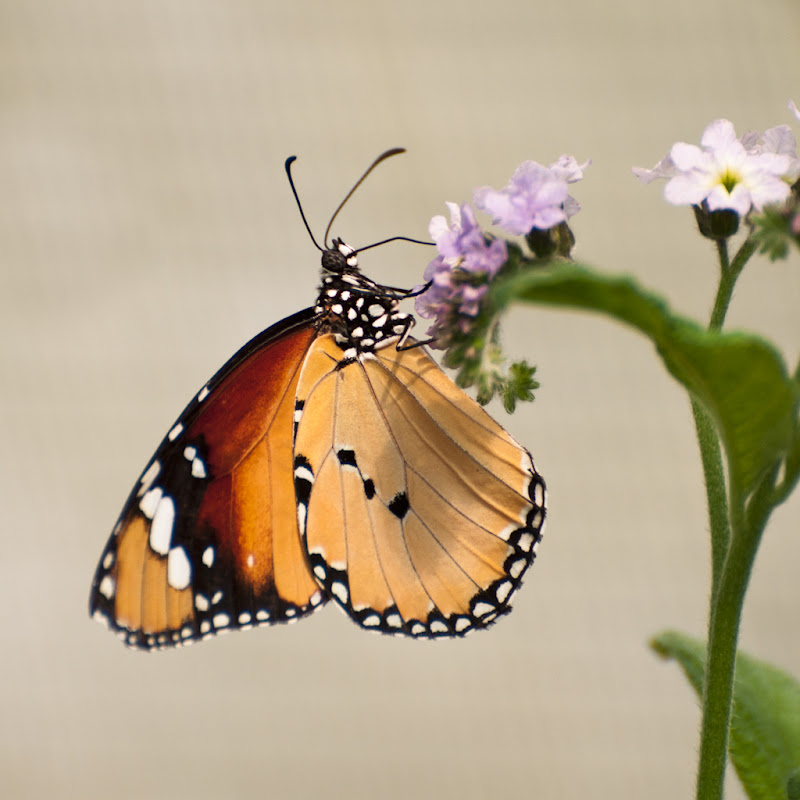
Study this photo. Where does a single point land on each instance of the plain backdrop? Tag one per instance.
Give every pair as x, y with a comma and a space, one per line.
147, 231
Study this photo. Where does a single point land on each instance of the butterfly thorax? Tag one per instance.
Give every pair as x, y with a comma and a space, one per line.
362, 315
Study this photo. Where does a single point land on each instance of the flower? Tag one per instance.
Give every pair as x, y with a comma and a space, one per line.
459, 274
536, 196
726, 172
462, 243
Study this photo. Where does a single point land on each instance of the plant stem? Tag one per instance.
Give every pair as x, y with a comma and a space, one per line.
716, 496
733, 549
723, 634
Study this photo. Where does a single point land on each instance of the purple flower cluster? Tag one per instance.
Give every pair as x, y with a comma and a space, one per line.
460, 272
536, 197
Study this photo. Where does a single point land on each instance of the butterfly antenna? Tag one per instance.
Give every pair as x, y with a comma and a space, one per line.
288, 165
382, 157
394, 239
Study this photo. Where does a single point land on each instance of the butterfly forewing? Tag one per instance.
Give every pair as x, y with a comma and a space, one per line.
420, 514
208, 539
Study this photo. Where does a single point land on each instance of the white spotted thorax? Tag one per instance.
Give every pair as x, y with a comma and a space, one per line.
362, 315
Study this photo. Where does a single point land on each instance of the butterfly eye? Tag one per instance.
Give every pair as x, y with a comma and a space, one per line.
334, 261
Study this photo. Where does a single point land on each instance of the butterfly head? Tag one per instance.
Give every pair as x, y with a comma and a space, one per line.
339, 259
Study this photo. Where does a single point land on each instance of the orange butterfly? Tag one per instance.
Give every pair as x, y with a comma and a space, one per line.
330, 458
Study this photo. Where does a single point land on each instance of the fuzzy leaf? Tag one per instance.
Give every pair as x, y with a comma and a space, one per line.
765, 727
738, 377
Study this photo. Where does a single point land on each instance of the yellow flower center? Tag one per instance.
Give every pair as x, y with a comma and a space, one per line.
729, 179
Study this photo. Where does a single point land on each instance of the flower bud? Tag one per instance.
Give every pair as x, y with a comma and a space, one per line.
720, 224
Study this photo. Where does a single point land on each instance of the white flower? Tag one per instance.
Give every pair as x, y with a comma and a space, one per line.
726, 172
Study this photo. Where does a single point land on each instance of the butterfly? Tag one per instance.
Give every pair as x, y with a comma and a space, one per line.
330, 459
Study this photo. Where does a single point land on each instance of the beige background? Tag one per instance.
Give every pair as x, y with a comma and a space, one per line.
147, 230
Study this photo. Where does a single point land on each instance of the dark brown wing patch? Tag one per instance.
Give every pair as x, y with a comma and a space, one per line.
208, 540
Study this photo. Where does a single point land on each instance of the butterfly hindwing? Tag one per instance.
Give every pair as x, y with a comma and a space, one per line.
419, 513
208, 539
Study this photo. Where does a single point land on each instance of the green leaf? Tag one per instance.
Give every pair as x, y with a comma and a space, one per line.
739, 378
765, 728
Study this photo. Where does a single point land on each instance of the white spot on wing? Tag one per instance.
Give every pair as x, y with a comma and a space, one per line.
151, 473
202, 394
179, 570
525, 541
208, 556
482, 609
189, 452
162, 525
149, 503
339, 591
516, 568
503, 591
108, 560
107, 587
198, 468
221, 620
100, 617
304, 473
201, 602
175, 432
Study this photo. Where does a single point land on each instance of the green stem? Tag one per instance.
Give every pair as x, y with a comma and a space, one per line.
733, 548
723, 634
716, 496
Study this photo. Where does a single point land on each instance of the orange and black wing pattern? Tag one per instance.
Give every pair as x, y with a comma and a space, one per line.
419, 513
329, 458
208, 539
